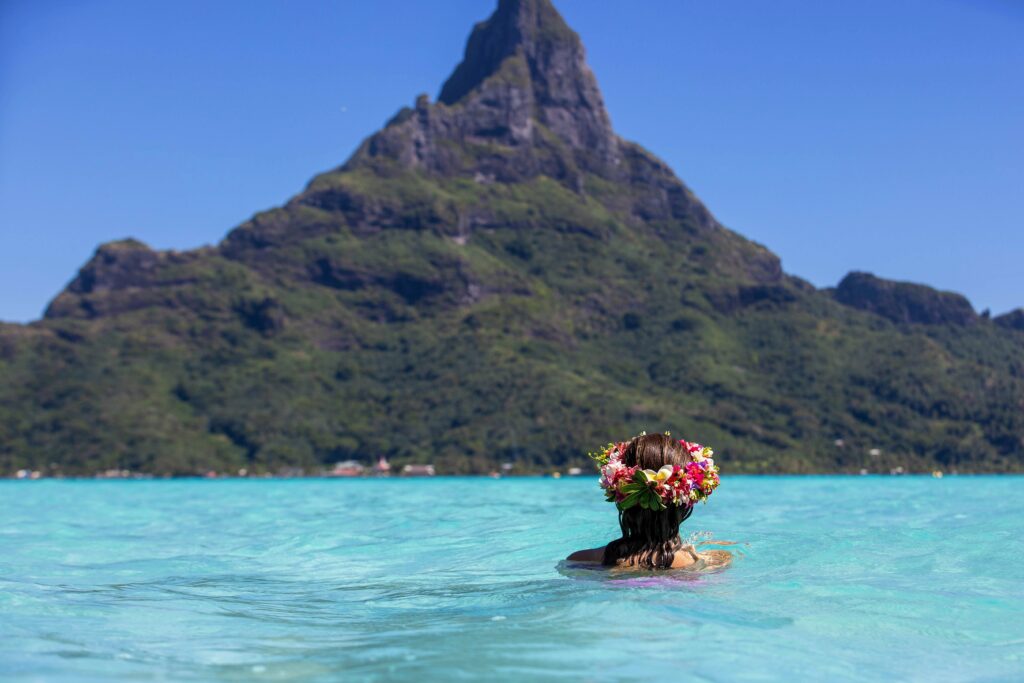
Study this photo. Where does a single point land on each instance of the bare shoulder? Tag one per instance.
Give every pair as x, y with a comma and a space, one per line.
716, 558
688, 557
685, 557
592, 555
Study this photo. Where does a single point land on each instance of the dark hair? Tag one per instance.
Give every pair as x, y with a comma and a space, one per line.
650, 538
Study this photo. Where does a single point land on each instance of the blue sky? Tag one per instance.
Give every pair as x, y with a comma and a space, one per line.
879, 135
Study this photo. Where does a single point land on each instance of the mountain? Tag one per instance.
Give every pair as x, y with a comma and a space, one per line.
497, 277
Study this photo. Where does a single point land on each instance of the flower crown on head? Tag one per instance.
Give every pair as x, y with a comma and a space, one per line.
679, 485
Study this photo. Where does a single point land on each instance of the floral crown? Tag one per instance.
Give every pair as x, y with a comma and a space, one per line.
679, 485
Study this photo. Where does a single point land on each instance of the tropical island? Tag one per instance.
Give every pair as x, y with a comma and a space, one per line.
490, 269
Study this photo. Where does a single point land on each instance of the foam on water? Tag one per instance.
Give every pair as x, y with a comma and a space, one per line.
839, 578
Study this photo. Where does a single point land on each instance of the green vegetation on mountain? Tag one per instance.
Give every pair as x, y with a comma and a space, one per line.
497, 277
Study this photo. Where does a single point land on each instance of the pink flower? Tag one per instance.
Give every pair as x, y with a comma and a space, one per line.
691, 447
695, 473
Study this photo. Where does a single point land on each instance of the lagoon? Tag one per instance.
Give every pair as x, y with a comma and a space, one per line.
837, 578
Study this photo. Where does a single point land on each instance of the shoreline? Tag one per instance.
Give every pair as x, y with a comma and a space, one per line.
277, 478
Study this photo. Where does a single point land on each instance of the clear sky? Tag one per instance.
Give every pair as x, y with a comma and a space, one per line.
879, 135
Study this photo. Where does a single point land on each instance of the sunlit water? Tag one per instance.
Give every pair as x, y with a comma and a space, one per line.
840, 578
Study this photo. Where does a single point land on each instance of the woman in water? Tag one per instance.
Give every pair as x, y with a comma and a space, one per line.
655, 481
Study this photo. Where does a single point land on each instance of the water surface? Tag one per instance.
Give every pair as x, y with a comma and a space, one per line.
841, 579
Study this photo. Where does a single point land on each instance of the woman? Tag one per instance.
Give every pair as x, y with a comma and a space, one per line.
655, 480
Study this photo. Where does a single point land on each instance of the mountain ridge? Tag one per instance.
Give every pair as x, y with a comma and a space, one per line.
497, 276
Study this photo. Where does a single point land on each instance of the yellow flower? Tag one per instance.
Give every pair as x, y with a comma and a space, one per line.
661, 475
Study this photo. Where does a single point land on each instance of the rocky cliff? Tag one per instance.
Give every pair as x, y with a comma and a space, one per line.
904, 302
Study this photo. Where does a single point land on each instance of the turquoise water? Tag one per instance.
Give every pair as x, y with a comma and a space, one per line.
840, 579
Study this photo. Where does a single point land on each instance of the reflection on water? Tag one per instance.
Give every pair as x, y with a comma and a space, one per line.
461, 579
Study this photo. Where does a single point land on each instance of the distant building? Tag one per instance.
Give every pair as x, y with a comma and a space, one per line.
418, 471
347, 468
382, 468
575, 471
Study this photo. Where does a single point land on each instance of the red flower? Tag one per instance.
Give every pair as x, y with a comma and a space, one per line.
695, 473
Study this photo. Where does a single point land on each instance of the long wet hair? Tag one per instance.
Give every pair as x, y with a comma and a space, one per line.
650, 538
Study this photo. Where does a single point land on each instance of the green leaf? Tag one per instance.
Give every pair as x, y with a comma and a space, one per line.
629, 501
